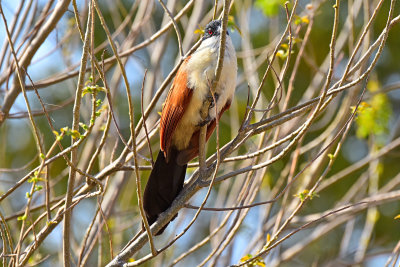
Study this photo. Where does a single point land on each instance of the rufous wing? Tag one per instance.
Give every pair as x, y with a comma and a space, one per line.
174, 107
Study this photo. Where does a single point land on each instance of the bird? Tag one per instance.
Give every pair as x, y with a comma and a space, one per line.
189, 106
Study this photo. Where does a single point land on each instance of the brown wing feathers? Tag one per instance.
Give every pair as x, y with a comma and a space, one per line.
174, 107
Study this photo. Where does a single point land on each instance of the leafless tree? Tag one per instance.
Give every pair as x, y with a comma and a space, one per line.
271, 162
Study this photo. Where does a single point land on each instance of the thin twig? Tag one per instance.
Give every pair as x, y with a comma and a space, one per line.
178, 34
74, 156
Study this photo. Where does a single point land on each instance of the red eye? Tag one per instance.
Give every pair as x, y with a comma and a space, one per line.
210, 32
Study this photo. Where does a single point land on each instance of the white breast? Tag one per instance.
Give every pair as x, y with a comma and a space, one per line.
201, 68
201, 72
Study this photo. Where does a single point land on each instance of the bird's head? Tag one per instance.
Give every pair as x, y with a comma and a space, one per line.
211, 37
213, 30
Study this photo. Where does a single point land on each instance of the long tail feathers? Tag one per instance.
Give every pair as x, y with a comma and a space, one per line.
164, 185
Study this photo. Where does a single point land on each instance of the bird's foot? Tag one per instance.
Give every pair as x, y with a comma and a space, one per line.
210, 99
205, 121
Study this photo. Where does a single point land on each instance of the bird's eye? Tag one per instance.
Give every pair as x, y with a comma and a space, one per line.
210, 32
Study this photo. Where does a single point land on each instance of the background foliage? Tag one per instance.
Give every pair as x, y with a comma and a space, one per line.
334, 184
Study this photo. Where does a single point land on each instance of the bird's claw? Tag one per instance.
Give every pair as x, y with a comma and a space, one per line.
210, 99
205, 121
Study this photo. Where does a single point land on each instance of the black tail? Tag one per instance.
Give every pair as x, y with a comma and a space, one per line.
164, 184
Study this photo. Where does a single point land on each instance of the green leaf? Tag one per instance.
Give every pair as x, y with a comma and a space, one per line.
22, 217
84, 126
87, 90
281, 54
200, 31
38, 188
373, 117
75, 134
303, 195
301, 20
64, 130
100, 88
50, 223
258, 261
35, 178
58, 136
92, 89
98, 102
270, 7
